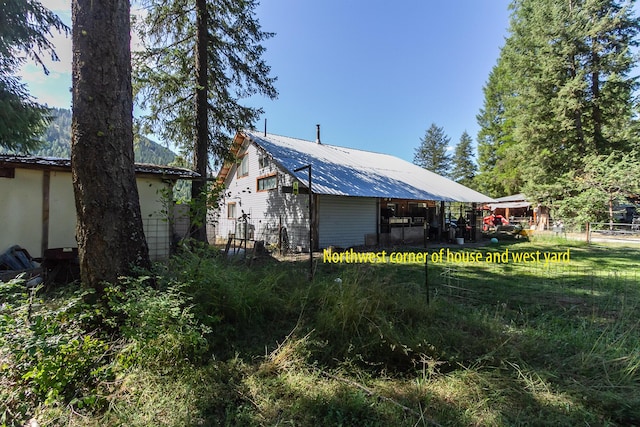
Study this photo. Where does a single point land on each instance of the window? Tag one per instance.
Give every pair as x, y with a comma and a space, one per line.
231, 210
7, 173
267, 183
263, 162
243, 166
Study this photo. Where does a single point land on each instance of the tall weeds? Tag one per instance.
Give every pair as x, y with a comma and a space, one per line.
216, 343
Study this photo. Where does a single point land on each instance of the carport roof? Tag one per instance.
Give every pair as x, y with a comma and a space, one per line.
345, 171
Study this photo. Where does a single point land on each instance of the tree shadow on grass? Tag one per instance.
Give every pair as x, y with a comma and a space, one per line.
502, 346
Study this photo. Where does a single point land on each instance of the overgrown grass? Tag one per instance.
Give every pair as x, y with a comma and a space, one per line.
223, 344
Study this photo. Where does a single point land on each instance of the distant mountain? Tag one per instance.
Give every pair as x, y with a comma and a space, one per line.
57, 142
147, 151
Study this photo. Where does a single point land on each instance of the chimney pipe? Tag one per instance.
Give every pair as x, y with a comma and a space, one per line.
265, 127
318, 134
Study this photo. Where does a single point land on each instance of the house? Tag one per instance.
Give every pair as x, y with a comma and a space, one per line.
358, 197
37, 204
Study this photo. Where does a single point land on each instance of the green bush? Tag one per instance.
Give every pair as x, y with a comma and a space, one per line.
215, 343
158, 326
49, 357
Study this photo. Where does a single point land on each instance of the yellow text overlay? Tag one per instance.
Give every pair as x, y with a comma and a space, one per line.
445, 255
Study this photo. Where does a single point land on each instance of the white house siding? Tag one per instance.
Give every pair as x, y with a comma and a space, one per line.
267, 210
344, 221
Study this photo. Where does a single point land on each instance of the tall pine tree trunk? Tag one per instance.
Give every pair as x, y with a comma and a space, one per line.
109, 229
201, 149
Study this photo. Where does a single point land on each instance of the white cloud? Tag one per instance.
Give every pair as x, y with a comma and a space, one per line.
57, 5
63, 49
55, 100
54, 88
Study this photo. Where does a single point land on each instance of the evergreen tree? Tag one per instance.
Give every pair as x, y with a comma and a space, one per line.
561, 92
573, 80
24, 29
605, 181
111, 240
464, 168
56, 142
200, 59
432, 153
499, 163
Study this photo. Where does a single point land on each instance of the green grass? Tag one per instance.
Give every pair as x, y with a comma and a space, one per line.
222, 344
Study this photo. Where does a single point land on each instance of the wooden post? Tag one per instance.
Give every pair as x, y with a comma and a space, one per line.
280, 235
426, 275
308, 167
46, 185
588, 233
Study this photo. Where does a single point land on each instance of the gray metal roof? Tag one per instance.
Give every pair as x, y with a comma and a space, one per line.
350, 172
513, 198
511, 202
35, 162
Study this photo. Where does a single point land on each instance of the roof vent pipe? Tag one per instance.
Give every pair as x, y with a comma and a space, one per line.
318, 134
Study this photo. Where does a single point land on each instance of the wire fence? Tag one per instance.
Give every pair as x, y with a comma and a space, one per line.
615, 232
293, 237
590, 232
163, 234
158, 234
558, 283
276, 235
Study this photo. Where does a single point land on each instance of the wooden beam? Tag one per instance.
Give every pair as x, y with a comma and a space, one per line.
46, 181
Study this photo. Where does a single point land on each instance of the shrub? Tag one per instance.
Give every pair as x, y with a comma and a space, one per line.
158, 326
48, 357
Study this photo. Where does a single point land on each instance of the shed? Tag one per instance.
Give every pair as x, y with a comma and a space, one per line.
515, 205
37, 204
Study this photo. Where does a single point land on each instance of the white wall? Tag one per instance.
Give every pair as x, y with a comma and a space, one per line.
153, 209
342, 221
21, 202
62, 211
267, 209
21, 211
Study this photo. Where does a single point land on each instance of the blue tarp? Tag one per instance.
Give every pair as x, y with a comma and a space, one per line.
16, 258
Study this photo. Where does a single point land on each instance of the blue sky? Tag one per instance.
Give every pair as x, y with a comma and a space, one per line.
375, 74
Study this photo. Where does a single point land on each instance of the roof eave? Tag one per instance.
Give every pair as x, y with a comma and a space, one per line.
64, 165
227, 165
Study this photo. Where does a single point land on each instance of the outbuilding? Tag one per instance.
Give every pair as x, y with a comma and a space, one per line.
37, 204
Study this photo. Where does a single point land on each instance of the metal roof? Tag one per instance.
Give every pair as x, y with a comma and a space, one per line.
510, 205
512, 202
349, 172
35, 162
514, 198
